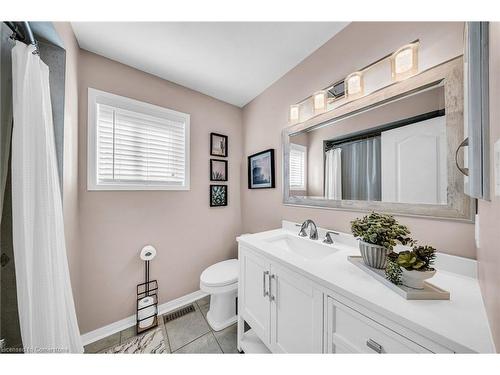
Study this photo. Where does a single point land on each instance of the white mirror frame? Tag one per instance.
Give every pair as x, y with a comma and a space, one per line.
460, 206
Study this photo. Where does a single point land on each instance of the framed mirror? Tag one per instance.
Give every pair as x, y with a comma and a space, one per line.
392, 151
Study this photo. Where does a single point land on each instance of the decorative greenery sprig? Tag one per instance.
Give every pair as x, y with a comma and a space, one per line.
382, 230
393, 272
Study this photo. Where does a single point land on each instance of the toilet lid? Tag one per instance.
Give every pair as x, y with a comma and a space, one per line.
220, 274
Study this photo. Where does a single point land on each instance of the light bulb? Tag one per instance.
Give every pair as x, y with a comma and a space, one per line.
294, 113
404, 62
354, 85
319, 101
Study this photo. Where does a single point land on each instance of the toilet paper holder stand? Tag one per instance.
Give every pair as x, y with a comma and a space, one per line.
149, 288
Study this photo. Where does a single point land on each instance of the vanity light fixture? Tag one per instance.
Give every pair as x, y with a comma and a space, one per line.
355, 86
404, 62
319, 101
294, 113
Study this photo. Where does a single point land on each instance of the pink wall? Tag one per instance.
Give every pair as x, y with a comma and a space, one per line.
188, 234
488, 253
70, 165
356, 46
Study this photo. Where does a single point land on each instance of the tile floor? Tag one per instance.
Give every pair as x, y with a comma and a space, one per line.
189, 333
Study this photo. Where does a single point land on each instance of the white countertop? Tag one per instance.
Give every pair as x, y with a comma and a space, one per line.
461, 322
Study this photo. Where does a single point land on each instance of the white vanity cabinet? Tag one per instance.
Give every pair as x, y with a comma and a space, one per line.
284, 309
289, 313
300, 295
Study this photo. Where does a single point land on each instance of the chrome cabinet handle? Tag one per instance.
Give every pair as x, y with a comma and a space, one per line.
271, 297
463, 170
375, 346
264, 291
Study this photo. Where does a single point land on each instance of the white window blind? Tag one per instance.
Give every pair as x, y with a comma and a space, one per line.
298, 156
136, 150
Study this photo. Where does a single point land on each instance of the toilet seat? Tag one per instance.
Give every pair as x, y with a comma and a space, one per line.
220, 274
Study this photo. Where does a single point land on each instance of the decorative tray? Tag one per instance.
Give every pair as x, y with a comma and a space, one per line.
429, 292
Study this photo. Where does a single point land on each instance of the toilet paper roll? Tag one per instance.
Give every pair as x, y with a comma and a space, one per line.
148, 252
147, 311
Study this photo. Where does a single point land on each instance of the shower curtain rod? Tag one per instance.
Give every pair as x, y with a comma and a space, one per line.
22, 32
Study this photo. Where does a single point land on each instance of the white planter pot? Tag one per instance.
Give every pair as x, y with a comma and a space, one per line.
373, 255
415, 279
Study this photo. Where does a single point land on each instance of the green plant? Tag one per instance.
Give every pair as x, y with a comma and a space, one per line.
421, 258
382, 230
426, 254
409, 260
393, 271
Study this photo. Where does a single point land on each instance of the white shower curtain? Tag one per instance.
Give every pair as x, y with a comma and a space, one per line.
45, 300
333, 174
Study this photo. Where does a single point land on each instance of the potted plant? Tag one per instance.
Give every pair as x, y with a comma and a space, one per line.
378, 234
411, 268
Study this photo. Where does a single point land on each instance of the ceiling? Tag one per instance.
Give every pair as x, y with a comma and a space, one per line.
230, 61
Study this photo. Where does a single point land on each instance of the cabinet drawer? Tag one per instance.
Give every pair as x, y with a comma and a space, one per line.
352, 332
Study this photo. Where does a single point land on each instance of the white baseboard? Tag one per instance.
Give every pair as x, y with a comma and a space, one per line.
130, 321
179, 302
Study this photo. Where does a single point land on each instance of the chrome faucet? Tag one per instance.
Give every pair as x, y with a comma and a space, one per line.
328, 237
313, 234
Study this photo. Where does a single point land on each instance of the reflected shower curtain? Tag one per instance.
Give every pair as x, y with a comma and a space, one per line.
361, 170
45, 300
333, 174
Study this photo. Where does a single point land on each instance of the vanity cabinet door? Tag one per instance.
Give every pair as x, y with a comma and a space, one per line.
296, 313
254, 293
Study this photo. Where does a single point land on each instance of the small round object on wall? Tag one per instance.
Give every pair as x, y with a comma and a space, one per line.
148, 252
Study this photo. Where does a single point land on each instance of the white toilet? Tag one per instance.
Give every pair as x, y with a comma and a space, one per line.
221, 282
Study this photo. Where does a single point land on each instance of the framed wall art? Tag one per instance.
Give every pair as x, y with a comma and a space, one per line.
218, 170
218, 145
218, 195
261, 173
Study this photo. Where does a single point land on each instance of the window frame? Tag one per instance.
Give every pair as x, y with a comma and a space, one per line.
302, 149
96, 97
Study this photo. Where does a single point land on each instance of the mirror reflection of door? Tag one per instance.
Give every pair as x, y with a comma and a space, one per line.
414, 163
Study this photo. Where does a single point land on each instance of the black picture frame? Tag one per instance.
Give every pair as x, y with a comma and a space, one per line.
212, 176
252, 184
215, 201
216, 153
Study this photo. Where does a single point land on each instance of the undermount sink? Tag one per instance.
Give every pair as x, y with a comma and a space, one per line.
304, 247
